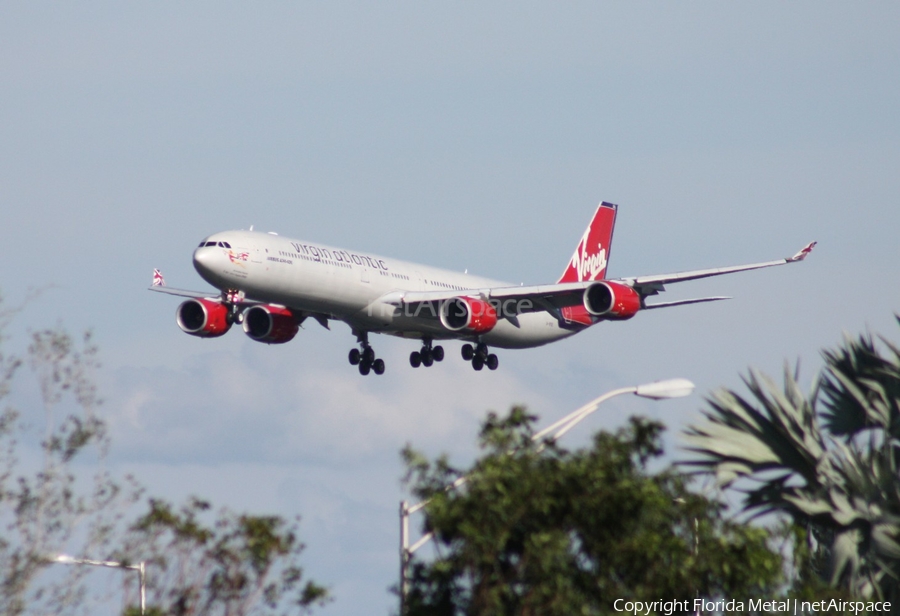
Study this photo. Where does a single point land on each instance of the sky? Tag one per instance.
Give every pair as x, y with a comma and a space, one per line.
469, 136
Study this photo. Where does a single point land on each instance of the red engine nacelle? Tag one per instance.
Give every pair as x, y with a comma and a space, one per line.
469, 314
270, 324
203, 317
611, 300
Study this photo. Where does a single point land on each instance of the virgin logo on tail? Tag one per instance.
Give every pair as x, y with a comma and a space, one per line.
589, 265
591, 255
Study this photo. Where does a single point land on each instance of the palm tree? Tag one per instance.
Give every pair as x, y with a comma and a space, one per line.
828, 459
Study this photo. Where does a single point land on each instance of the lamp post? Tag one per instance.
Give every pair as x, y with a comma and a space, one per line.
657, 390
65, 559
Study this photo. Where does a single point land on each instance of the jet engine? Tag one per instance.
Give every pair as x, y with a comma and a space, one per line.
203, 317
469, 314
270, 324
611, 300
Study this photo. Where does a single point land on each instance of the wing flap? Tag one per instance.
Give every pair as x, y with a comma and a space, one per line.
399, 298
510, 300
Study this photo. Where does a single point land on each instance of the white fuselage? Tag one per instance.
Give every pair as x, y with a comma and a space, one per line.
350, 286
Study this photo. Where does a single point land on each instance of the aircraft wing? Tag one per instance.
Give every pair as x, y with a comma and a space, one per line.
519, 300
650, 285
159, 285
216, 296
546, 296
185, 293
552, 297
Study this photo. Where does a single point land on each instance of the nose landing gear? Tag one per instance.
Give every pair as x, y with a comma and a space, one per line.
365, 358
479, 356
427, 356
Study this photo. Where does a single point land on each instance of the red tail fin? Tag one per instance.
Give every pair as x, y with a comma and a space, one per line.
592, 252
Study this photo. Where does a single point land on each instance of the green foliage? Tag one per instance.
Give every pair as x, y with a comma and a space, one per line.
861, 388
538, 529
232, 564
828, 459
53, 501
804, 564
46, 510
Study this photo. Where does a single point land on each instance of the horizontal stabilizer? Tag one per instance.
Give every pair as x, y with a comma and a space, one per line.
682, 302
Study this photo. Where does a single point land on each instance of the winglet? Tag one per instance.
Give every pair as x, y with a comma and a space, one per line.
158, 280
803, 252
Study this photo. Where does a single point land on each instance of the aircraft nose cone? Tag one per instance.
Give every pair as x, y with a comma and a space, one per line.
204, 259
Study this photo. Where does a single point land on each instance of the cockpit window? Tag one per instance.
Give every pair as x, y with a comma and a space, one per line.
202, 244
210, 243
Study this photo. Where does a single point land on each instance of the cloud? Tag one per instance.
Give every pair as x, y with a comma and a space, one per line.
270, 404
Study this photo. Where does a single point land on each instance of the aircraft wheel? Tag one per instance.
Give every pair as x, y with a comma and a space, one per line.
355, 356
415, 359
368, 355
477, 362
378, 366
427, 358
364, 367
492, 362
468, 352
438, 353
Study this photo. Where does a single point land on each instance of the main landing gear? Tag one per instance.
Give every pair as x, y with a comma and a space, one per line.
365, 358
479, 356
427, 356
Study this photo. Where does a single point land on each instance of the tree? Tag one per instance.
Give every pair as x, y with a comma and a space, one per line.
539, 529
829, 460
45, 507
57, 498
235, 564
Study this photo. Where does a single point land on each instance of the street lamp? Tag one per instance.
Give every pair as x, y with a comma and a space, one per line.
65, 559
657, 390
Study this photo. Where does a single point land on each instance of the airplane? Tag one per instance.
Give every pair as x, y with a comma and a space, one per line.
271, 284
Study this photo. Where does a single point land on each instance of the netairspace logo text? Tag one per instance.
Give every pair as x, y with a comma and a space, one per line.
787, 606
